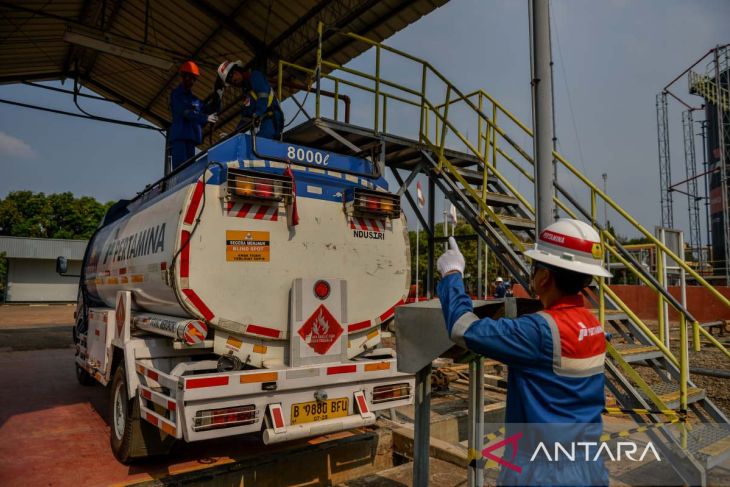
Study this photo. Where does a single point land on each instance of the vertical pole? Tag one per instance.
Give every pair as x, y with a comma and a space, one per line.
446, 224
418, 234
660, 303
422, 432
432, 226
723, 166
475, 472
377, 89
705, 168
479, 267
542, 120
318, 69
486, 270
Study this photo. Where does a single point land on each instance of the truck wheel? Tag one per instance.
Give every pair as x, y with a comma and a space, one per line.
84, 377
131, 437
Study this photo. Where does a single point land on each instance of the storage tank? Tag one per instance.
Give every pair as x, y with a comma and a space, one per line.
219, 242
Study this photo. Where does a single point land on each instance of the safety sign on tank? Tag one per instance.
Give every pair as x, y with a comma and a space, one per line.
247, 246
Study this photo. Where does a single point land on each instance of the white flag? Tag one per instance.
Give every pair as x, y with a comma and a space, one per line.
452, 214
419, 193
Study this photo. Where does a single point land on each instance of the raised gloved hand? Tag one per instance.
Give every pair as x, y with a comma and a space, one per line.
451, 260
212, 118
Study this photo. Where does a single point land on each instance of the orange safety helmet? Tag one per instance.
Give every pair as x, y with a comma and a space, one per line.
190, 67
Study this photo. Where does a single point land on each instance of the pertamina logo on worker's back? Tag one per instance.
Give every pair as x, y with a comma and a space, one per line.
321, 330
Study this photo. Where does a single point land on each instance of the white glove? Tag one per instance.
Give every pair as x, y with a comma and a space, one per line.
212, 118
451, 260
219, 91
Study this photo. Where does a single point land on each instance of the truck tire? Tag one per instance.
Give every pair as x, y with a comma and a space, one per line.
84, 377
131, 437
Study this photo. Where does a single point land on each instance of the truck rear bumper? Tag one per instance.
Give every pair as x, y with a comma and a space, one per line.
298, 431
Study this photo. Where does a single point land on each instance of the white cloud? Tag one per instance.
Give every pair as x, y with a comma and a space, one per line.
14, 146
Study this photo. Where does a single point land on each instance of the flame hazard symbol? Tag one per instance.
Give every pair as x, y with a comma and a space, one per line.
321, 330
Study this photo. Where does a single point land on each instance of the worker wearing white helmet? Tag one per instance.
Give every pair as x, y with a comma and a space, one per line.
555, 357
260, 105
499, 288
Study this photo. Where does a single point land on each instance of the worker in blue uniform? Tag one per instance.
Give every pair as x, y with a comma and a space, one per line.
499, 288
260, 105
189, 116
555, 357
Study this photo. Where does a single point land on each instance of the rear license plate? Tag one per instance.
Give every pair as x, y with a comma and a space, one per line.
307, 412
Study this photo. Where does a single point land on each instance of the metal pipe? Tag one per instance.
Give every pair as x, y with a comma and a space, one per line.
189, 331
431, 243
475, 472
723, 166
724, 374
422, 426
542, 119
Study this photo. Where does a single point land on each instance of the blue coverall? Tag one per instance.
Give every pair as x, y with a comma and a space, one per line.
555, 360
500, 290
189, 115
261, 102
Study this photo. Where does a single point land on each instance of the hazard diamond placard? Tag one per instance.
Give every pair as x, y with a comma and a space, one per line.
321, 330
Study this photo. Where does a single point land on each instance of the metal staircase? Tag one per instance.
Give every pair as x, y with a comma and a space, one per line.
706, 87
480, 174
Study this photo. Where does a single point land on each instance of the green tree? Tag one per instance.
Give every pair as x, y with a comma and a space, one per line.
29, 214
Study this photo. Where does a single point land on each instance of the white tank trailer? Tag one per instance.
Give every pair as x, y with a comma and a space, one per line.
213, 252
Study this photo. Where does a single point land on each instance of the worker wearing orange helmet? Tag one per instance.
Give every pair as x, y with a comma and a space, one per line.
555, 383
189, 116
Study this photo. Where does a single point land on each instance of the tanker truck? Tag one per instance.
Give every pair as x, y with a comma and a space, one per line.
245, 293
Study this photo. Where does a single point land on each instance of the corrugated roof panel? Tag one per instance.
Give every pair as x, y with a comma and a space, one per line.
186, 29
42, 248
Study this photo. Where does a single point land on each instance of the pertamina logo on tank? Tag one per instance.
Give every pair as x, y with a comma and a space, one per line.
321, 330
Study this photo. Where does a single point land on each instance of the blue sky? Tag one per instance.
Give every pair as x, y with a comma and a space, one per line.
611, 58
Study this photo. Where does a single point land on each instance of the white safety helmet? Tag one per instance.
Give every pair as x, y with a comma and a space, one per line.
499, 279
572, 245
225, 68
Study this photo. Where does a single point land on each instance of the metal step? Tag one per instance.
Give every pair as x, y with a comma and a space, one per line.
709, 443
636, 352
495, 199
668, 392
517, 223
613, 314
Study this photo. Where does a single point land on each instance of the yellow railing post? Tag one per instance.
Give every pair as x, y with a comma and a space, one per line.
602, 291
485, 172
494, 134
696, 336
337, 99
385, 114
424, 108
660, 301
442, 144
377, 87
683, 362
479, 125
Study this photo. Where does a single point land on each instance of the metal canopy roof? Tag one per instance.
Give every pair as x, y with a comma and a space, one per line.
128, 51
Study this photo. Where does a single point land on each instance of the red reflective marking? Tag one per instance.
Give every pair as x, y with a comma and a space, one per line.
278, 418
374, 225
96, 332
122, 271
194, 202
146, 394
229, 205
363, 226
152, 375
206, 382
363, 405
185, 254
359, 326
261, 212
263, 330
152, 419
199, 304
341, 369
163, 266
171, 406
244, 210
390, 312
274, 217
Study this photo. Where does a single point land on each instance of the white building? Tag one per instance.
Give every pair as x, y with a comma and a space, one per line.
32, 268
